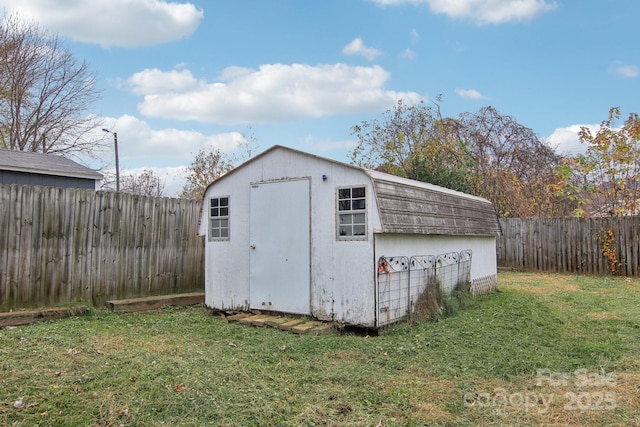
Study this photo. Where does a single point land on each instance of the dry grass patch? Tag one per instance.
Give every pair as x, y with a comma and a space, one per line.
540, 284
429, 411
430, 399
344, 355
603, 315
571, 398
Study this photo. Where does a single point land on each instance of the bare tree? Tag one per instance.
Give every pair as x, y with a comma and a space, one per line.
147, 183
513, 167
248, 148
206, 167
45, 94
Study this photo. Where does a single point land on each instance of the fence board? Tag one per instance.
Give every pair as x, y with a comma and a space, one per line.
14, 255
568, 245
67, 245
30, 238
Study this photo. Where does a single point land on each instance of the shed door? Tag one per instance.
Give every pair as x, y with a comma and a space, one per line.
280, 246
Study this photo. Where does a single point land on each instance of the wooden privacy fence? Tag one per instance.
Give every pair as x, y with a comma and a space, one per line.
571, 245
68, 245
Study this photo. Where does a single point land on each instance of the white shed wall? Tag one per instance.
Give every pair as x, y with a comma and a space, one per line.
342, 272
226, 262
483, 260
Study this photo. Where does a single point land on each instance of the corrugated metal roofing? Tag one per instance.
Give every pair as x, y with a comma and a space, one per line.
45, 164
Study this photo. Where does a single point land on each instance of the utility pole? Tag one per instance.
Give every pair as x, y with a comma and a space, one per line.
115, 145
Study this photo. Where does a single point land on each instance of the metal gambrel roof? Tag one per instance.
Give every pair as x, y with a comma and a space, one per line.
44, 164
413, 207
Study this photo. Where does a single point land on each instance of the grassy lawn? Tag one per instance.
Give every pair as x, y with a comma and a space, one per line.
545, 349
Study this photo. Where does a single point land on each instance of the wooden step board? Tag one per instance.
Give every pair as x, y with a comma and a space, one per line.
297, 325
152, 303
25, 317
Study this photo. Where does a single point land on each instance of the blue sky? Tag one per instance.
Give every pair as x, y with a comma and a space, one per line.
180, 76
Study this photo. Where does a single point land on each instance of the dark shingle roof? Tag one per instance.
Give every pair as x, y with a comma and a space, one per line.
413, 207
45, 164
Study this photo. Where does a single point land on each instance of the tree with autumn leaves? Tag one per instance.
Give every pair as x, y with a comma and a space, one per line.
206, 167
485, 153
491, 155
610, 168
605, 181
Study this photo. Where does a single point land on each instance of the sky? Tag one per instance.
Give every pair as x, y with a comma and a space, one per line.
179, 76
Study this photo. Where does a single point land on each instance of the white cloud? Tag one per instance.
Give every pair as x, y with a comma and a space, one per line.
274, 93
408, 54
155, 81
138, 144
482, 11
125, 23
566, 140
137, 140
469, 94
357, 47
629, 71
232, 72
326, 145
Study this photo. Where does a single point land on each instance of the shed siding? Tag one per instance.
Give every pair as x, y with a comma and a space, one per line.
226, 262
23, 178
342, 272
47, 170
483, 261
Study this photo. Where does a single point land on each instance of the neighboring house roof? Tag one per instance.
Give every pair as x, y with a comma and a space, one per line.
407, 206
44, 164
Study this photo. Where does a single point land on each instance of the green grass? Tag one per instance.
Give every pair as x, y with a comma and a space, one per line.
186, 367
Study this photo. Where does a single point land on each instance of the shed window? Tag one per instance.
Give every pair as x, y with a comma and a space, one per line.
352, 213
219, 218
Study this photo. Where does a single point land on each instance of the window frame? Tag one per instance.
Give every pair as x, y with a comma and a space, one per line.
352, 211
220, 218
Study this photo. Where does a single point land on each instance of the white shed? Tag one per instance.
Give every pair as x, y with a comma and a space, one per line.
292, 232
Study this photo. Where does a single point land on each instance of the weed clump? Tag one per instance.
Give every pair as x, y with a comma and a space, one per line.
435, 304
